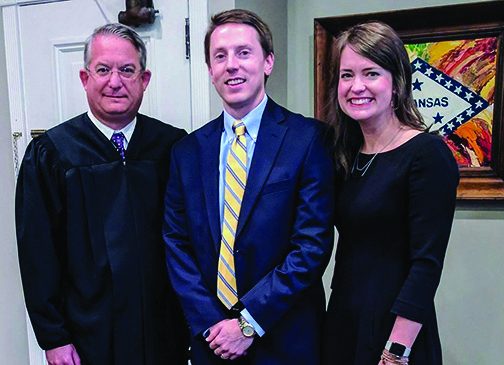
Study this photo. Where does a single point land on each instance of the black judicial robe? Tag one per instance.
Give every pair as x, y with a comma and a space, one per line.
90, 246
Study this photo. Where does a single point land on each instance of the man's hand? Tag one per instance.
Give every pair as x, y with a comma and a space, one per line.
64, 355
227, 339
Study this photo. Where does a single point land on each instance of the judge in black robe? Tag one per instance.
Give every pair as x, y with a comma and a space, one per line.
90, 247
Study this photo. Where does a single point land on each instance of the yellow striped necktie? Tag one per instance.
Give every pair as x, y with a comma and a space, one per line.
234, 188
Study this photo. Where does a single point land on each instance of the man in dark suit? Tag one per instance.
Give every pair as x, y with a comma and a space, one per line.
248, 213
89, 212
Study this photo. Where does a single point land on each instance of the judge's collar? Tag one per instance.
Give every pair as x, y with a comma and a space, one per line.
108, 132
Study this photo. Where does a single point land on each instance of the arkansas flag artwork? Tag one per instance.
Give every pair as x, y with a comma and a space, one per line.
453, 87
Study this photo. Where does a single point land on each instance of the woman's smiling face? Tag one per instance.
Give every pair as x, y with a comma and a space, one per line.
364, 89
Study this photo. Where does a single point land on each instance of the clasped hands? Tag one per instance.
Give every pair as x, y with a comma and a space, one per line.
227, 339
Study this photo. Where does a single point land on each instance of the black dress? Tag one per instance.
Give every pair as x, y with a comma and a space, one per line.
90, 244
393, 223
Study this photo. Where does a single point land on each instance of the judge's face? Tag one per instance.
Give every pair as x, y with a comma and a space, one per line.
114, 83
364, 88
238, 67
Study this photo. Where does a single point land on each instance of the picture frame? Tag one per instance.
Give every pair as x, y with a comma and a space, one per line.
425, 25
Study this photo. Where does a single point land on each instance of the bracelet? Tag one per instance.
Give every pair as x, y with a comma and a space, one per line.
389, 358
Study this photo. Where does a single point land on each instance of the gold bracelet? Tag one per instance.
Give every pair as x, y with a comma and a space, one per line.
389, 358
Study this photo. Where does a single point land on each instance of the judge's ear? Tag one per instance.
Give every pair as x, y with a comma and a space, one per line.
146, 76
84, 76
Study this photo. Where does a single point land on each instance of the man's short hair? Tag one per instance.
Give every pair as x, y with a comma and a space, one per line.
120, 31
240, 16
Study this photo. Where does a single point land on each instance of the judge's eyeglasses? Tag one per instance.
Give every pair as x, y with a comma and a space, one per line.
105, 73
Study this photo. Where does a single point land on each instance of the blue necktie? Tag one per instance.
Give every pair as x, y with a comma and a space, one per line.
118, 141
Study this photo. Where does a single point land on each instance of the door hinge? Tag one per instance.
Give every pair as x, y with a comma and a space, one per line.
187, 40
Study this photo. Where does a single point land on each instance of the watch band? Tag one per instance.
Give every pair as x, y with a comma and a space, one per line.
397, 349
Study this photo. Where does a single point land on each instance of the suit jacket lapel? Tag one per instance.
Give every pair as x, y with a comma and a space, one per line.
210, 148
269, 140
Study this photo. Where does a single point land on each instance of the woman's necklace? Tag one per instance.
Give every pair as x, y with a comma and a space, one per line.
364, 168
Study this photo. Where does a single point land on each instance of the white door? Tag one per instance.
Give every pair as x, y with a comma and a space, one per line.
44, 42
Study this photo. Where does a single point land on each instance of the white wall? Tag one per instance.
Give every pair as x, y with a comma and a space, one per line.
13, 338
471, 293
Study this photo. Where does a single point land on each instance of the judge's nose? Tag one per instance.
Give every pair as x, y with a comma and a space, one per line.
115, 81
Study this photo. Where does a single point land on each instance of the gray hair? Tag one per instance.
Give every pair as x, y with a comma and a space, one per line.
120, 31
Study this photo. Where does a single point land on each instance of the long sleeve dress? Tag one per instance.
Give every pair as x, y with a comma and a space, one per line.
393, 223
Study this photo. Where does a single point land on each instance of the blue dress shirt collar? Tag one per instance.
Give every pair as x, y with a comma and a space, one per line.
252, 121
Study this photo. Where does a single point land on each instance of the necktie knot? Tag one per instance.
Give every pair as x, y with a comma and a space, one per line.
118, 141
239, 128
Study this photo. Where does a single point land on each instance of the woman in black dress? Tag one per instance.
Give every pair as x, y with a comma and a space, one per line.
394, 210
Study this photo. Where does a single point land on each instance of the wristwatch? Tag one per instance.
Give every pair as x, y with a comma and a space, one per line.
397, 349
246, 328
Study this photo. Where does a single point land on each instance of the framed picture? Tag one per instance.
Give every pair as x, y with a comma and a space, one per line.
457, 63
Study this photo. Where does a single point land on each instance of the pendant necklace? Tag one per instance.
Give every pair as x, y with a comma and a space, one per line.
366, 166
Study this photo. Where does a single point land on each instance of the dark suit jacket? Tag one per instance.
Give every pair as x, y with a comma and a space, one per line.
283, 242
90, 244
